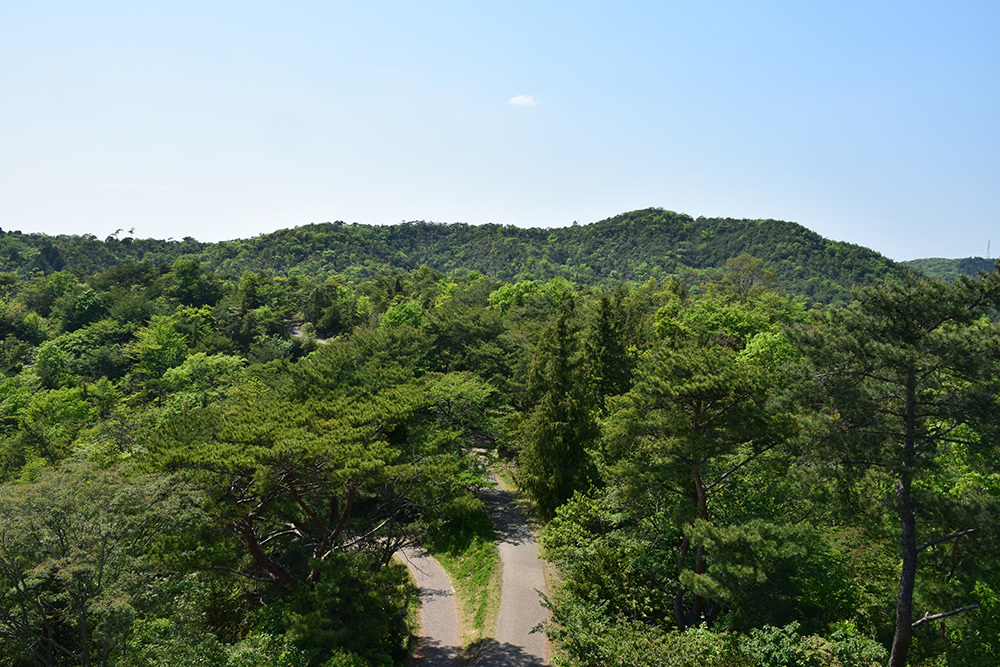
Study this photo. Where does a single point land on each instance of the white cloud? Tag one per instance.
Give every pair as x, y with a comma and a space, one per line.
522, 101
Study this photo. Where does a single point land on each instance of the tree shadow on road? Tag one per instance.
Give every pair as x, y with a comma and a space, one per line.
431, 653
506, 517
494, 654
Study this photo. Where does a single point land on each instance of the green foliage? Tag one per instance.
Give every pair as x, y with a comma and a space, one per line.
463, 540
408, 313
332, 307
49, 423
41, 293
77, 308
554, 461
767, 573
586, 639
461, 401
320, 391
317, 473
355, 608
634, 246
87, 354
192, 285
77, 549
614, 552
744, 277
785, 647
201, 372
157, 348
951, 269
911, 373
607, 365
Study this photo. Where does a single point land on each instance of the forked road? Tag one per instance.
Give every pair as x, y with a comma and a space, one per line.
521, 610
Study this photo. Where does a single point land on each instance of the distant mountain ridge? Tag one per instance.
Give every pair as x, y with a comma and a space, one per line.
633, 246
951, 269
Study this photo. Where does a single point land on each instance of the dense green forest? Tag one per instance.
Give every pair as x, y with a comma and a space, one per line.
634, 246
210, 452
950, 269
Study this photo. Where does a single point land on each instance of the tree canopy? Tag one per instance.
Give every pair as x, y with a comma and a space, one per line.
209, 453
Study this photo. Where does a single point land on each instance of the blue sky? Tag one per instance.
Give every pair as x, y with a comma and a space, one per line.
869, 122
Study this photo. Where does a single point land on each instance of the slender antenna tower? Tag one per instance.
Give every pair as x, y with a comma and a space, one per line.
988, 248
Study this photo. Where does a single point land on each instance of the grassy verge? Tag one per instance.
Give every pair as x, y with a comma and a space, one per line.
469, 555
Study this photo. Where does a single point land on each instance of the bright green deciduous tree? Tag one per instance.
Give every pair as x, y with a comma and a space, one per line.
158, 347
75, 563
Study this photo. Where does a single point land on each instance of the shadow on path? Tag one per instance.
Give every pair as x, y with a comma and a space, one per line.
438, 643
496, 654
430, 653
521, 608
507, 519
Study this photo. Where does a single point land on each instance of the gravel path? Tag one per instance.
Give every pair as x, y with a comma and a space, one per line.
520, 603
438, 644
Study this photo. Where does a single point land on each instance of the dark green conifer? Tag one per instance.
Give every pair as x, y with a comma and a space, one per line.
554, 462
606, 361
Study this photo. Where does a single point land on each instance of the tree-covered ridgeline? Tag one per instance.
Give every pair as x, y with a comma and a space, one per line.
200, 467
634, 246
951, 269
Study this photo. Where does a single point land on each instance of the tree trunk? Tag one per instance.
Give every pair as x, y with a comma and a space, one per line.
699, 558
679, 615
904, 600
280, 577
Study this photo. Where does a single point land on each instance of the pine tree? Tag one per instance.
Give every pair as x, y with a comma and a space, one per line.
697, 416
912, 372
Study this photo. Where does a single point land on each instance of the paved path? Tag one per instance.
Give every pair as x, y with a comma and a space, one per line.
438, 644
520, 604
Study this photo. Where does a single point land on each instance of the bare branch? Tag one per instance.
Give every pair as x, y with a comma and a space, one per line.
308, 510
291, 530
266, 580
946, 538
936, 617
359, 538
729, 472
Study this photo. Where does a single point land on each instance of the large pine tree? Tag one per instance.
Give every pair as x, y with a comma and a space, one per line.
698, 414
914, 375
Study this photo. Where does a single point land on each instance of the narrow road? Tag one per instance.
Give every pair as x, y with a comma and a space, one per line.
520, 603
438, 644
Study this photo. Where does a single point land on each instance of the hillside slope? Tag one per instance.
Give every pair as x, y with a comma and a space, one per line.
951, 269
638, 245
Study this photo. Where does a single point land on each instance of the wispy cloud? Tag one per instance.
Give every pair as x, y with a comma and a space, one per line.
522, 101
137, 187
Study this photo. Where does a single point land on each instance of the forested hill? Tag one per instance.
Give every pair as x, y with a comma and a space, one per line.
632, 246
951, 269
